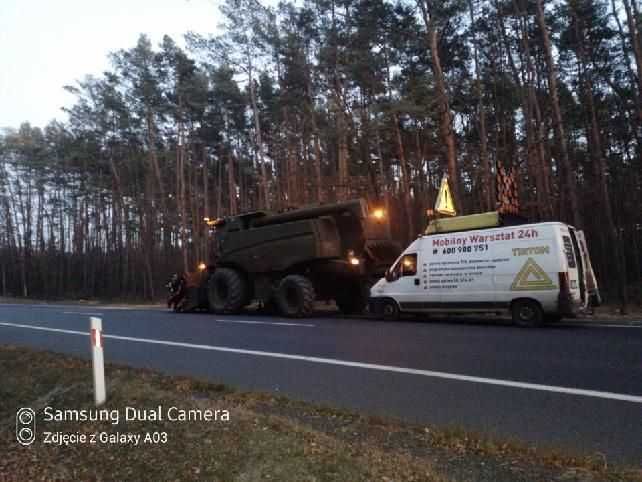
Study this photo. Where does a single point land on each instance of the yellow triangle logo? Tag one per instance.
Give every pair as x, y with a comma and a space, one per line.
445, 204
531, 278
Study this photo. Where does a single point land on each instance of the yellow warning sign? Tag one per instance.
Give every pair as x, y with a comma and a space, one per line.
445, 204
532, 278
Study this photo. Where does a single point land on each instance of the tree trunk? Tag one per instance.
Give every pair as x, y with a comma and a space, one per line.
344, 188
600, 167
219, 187
536, 135
446, 130
181, 194
565, 163
446, 120
206, 202
487, 184
259, 143
634, 34
151, 140
385, 184
3, 270
613, 234
231, 183
318, 184
405, 180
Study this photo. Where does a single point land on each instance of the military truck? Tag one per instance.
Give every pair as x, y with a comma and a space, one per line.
287, 260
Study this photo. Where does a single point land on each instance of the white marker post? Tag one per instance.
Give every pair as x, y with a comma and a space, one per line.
98, 360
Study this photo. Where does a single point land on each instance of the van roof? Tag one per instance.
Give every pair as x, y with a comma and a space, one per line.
518, 226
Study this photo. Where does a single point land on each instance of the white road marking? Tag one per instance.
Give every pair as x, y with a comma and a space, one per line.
37, 305
42, 328
102, 307
81, 313
370, 366
255, 322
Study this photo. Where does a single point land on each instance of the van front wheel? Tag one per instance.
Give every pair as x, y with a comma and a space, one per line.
527, 313
390, 310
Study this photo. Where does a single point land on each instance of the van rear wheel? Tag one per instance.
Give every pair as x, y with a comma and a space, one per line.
527, 313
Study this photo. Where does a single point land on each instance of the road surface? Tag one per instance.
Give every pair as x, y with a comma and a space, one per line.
574, 387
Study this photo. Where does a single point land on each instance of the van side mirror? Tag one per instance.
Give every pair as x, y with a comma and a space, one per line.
388, 275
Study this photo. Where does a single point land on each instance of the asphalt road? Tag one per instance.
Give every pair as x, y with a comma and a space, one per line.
574, 387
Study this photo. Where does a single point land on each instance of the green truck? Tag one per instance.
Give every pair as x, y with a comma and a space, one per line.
286, 261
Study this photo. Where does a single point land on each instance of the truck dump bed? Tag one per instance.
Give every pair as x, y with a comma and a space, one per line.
263, 242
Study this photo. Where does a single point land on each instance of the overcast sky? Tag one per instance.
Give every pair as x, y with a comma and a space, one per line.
46, 44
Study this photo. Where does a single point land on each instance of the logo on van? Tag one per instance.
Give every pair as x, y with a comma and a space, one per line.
531, 278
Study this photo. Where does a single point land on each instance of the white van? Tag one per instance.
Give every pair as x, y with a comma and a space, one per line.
537, 272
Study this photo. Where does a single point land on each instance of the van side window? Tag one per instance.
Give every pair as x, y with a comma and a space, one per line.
406, 266
409, 265
568, 250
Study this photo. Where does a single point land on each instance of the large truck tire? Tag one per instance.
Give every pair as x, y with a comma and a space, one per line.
295, 296
353, 299
226, 291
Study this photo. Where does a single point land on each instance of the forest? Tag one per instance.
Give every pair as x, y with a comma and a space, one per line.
323, 100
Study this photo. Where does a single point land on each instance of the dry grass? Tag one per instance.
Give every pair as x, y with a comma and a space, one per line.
267, 438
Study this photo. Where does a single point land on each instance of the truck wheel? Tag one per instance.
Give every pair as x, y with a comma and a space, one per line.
390, 310
527, 313
295, 296
354, 299
226, 291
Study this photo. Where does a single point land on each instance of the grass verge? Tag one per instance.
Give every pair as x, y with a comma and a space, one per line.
266, 437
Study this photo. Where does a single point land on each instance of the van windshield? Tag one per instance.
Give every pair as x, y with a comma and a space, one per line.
409, 265
406, 266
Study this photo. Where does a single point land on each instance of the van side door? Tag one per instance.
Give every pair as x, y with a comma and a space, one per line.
574, 266
591, 281
404, 281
